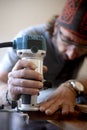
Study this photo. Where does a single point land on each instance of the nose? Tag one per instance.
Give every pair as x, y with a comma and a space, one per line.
71, 52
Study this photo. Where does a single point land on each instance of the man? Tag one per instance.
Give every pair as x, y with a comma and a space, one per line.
66, 39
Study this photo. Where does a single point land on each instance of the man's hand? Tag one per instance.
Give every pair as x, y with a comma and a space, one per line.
24, 79
62, 98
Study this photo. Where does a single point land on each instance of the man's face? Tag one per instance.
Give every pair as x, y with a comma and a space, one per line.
70, 46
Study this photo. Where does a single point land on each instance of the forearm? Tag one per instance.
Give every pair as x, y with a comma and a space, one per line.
3, 90
3, 77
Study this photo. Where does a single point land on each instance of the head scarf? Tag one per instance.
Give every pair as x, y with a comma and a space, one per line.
74, 17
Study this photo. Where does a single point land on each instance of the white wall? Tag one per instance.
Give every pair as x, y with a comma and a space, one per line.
16, 15
19, 14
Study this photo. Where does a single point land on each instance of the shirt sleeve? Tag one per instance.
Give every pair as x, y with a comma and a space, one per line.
8, 60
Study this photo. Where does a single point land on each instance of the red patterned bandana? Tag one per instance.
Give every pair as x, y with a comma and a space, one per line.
74, 17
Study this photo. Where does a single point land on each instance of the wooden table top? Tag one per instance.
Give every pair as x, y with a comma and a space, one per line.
76, 121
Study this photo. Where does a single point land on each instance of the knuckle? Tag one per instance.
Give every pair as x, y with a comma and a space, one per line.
10, 80
21, 90
65, 111
17, 90
19, 62
23, 72
22, 82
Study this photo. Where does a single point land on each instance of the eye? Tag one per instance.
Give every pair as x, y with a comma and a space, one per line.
65, 38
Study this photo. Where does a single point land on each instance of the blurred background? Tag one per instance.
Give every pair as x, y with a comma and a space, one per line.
16, 15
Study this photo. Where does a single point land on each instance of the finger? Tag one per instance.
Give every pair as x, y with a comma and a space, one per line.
20, 90
65, 109
29, 74
72, 108
25, 83
16, 91
53, 108
24, 64
45, 105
